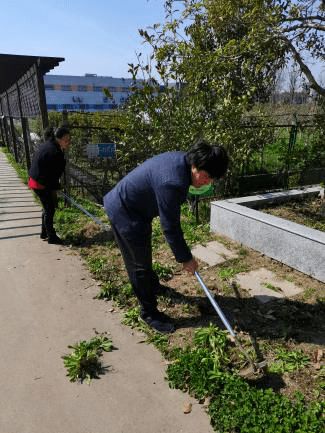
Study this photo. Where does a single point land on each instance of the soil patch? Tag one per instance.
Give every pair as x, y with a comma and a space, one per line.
309, 212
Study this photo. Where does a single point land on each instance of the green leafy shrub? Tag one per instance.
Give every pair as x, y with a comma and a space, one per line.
236, 406
239, 408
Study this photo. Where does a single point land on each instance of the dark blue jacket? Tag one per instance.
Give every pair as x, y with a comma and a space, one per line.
157, 187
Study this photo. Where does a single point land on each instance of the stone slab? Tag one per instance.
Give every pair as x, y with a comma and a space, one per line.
258, 283
254, 201
213, 253
207, 255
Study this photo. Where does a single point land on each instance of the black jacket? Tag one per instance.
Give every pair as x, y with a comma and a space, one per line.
157, 187
48, 165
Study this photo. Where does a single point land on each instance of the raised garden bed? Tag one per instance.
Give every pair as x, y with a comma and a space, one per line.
301, 247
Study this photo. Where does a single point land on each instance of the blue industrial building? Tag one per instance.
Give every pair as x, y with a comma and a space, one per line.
85, 93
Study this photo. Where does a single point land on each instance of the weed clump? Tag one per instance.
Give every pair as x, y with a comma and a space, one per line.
84, 363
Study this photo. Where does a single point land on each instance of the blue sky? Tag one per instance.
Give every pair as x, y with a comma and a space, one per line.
99, 36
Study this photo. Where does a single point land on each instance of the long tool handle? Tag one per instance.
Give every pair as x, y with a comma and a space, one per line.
215, 305
226, 323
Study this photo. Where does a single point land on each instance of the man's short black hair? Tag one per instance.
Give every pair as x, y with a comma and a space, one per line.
212, 159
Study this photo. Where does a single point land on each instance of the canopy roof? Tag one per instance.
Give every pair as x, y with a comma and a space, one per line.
13, 67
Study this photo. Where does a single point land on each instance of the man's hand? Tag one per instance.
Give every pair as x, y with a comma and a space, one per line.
190, 266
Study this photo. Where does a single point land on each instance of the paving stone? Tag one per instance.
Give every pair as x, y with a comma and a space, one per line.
255, 282
213, 253
207, 255
220, 249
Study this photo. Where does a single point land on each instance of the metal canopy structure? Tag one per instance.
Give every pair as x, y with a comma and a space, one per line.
22, 96
13, 67
22, 91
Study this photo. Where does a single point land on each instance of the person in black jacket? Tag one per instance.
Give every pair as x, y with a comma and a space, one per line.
158, 187
46, 169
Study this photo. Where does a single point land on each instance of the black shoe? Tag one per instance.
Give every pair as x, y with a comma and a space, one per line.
55, 240
158, 321
43, 235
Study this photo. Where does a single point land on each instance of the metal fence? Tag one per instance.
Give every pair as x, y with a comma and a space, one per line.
278, 161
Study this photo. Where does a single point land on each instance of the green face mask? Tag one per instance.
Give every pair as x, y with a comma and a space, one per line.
203, 190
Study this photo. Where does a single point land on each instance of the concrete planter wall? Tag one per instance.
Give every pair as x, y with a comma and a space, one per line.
298, 246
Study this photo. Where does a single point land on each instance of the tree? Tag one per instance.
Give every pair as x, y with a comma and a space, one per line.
215, 60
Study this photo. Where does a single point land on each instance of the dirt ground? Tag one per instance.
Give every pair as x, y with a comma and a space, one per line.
309, 212
295, 324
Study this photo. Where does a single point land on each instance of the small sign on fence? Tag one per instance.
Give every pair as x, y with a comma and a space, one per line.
101, 150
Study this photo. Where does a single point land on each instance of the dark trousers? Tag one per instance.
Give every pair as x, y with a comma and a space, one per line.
137, 256
49, 202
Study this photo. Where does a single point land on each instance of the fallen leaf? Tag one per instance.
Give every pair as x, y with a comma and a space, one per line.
319, 355
187, 408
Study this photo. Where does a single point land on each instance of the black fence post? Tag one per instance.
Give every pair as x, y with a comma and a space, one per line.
2, 133
5, 127
66, 175
24, 124
292, 142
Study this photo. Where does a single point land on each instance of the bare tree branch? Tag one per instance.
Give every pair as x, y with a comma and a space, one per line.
310, 26
307, 18
304, 68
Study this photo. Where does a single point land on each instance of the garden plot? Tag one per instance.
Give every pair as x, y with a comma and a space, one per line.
299, 246
309, 212
288, 332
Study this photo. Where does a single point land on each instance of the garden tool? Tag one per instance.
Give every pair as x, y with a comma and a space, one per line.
254, 367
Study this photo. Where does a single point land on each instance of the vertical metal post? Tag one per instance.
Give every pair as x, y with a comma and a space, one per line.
197, 209
5, 128
2, 123
41, 95
2, 133
24, 126
292, 142
12, 130
66, 175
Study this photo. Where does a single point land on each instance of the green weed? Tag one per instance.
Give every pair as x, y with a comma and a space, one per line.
272, 287
163, 272
309, 292
132, 318
229, 272
159, 341
288, 361
83, 363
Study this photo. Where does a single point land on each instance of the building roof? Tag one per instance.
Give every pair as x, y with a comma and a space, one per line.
13, 67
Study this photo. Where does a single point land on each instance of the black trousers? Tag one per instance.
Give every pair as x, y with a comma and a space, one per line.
137, 256
49, 202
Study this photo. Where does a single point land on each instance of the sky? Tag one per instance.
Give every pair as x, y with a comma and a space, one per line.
94, 36
98, 36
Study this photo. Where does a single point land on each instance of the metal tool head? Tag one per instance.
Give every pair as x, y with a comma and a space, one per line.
256, 370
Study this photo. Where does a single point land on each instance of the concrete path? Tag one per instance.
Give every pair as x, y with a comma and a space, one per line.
46, 303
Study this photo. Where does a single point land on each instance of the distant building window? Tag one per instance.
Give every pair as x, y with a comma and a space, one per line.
49, 86
98, 89
105, 98
51, 106
66, 87
82, 88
